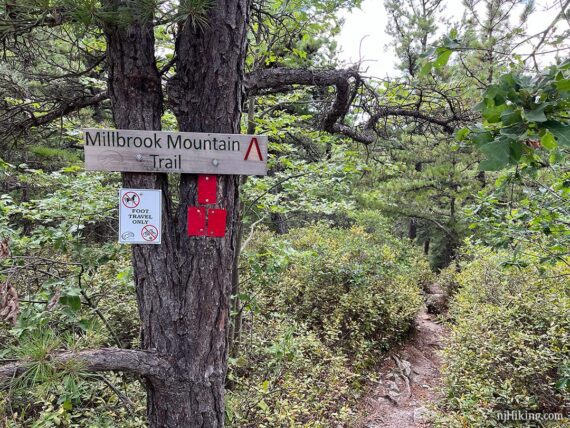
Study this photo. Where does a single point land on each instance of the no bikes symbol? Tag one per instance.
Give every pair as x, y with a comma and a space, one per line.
149, 232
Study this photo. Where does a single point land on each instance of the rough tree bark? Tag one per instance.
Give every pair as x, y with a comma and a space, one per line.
207, 92
184, 284
136, 98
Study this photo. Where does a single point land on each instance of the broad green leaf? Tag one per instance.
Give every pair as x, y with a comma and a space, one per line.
498, 154
563, 85
442, 57
492, 165
548, 141
510, 117
559, 130
492, 113
516, 150
482, 137
514, 131
496, 94
426, 68
537, 114
461, 134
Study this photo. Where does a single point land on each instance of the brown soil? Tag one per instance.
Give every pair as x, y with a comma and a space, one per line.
409, 380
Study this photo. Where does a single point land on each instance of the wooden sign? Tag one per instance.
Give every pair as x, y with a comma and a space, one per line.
175, 152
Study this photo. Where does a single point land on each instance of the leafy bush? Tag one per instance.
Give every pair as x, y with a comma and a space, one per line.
356, 292
319, 306
509, 347
287, 377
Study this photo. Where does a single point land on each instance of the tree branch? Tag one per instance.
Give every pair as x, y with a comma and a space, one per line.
548, 29
143, 363
416, 114
65, 107
275, 78
364, 137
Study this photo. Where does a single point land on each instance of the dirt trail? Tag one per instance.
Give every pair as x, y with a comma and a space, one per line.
409, 379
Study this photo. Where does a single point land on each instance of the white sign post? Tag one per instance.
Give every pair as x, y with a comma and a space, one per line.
140, 214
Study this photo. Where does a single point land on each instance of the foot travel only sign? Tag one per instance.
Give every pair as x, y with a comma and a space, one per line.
175, 152
140, 216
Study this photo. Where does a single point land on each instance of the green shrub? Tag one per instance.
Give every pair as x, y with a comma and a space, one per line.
321, 305
357, 293
287, 377
509, 347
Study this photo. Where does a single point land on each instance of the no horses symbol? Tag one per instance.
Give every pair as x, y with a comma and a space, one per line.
131, 199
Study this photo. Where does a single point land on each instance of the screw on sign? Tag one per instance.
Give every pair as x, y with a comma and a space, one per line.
149, 233
131, 199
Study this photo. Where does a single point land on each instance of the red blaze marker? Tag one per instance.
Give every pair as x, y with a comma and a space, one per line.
207, 186
196, 221
253, 141
216, 223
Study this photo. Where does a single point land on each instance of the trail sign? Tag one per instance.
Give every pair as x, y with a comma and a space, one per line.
140, 214
176, 152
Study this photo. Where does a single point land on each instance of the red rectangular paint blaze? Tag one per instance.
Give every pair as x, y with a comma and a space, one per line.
207, 187
217, 223
196, 221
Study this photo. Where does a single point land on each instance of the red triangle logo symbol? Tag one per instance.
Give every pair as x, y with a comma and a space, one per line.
253, 142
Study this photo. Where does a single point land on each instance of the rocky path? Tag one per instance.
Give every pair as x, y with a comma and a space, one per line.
409, 377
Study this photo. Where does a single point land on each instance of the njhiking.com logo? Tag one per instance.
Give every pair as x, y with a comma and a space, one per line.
526, 416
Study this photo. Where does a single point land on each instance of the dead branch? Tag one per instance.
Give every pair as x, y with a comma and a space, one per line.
143, 363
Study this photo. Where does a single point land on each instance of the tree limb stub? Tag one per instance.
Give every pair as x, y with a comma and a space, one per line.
143, 363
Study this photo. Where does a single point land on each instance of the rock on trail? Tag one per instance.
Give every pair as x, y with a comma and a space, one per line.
409, 379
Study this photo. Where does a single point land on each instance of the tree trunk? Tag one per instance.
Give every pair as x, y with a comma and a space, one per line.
209, 79
412, 229
183, 285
